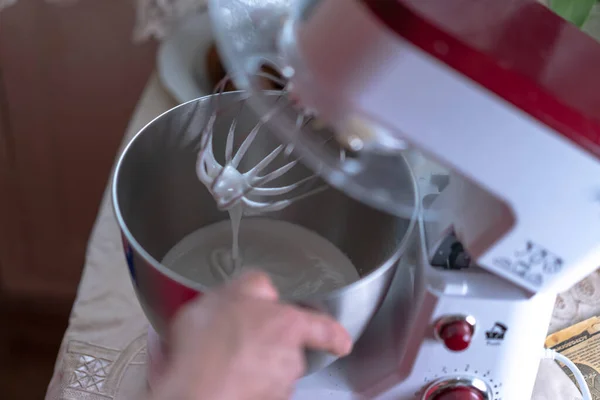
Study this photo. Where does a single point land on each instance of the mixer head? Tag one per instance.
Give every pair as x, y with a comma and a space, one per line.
456, 80
251, 37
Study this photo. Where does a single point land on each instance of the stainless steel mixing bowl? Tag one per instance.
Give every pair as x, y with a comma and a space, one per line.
158, 200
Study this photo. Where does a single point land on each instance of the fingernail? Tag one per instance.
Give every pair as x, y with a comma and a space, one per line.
344, 342
258, 284
346, 347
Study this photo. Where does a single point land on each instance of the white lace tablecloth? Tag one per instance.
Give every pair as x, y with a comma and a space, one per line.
103, 353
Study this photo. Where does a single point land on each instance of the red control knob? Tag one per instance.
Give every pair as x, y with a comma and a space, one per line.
456, 335
459, 393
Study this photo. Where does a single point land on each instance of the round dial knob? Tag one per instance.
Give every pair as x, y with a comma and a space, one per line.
456, 335
459, 393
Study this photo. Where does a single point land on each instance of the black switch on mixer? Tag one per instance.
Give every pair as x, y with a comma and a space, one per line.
451, 255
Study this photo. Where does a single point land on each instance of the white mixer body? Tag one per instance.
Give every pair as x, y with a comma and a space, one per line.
528, 208
523, 198
400, 356
505, 95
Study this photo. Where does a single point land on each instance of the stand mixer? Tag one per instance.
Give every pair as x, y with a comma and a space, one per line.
500, 93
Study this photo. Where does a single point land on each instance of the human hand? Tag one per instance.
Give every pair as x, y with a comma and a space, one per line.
239, 342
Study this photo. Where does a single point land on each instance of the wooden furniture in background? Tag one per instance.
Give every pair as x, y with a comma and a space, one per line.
70, 77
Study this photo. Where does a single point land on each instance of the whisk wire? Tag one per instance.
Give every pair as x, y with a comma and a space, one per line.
271, 176
260, 191
211, 172
265, 162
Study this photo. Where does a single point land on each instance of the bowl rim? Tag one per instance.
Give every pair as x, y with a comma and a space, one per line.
199, 287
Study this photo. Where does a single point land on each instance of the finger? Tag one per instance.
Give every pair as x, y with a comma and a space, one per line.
321, 332
255, 284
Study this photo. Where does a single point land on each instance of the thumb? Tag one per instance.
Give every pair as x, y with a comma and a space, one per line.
254, 283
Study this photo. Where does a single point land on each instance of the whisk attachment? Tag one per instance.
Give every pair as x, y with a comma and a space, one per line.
256, 189
252, 34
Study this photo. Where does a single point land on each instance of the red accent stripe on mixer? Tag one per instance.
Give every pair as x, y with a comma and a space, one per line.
518, 49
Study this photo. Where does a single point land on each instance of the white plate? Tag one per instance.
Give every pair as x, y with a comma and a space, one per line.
181, 59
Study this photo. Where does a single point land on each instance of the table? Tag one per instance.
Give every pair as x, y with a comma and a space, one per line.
103, 353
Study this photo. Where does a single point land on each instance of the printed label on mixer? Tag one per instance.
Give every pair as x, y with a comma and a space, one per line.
531, 262
495, 336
